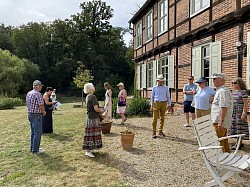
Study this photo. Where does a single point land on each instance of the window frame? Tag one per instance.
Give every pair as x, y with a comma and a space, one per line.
150, 83
150, 13
164, 17
192, 6
140, 34
160, 67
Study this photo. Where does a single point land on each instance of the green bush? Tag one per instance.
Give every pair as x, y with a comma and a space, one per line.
138, 106
9, 103
114, 107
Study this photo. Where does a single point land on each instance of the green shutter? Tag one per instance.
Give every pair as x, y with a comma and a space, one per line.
215, 59
144, 78
138, 77
196, 62
171, 71
154, 72
248, 61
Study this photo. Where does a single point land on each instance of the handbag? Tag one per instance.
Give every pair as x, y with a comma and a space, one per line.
121, 102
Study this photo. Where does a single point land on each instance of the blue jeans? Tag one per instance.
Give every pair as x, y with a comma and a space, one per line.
36, 131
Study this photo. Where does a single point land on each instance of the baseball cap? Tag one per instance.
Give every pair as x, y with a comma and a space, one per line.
37, 83
218, 75
201, 79
120, 84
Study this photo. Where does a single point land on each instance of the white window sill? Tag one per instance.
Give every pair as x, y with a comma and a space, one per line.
201, 10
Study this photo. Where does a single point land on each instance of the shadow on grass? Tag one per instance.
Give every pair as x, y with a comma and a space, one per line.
127, 169
59, 137
111, 134
136, 151
55, 163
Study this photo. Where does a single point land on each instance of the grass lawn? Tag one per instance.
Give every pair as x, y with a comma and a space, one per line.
63, 163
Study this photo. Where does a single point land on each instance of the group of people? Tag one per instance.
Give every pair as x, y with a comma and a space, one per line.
228, 109
40, 113
92, 138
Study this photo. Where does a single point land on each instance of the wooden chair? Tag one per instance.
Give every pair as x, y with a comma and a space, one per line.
220, 165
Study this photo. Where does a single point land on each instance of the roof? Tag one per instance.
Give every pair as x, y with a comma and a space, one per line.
142, 9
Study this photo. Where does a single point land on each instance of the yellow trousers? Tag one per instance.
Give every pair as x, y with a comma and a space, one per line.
199, 113
159, 109
221, 132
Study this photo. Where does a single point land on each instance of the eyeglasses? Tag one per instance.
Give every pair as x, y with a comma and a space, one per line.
234, 83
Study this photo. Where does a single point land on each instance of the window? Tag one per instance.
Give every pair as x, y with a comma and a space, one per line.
163, 16
149, 26
150, 75
206, 60
163, 69
198, 5
139, 34
139, 77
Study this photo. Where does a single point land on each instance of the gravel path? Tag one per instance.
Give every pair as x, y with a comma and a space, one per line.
170, 161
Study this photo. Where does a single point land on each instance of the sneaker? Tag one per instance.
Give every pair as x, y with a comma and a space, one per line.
161, 134
154, 135
41, 151
89, 154
187, 125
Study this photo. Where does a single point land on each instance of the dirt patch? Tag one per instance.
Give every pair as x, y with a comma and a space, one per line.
170, 161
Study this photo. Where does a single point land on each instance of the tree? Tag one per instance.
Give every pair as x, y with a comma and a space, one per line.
82, 77
5, 37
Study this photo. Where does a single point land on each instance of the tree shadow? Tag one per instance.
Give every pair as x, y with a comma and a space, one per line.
59, 137
55, 163
127, 169
111, 135
138, 127
181, 140
136, 151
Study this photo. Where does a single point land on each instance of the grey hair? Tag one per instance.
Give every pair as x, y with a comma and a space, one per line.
89, 88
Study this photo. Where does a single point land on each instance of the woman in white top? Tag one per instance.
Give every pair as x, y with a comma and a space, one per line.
108, 101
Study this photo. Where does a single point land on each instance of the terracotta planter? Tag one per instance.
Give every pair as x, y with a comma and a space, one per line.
127, 141
106, 127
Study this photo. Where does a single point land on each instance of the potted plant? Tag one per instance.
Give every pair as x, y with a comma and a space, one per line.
106, 126
127, 139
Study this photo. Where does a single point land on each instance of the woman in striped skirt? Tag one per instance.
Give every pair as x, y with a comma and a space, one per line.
92, 139
239, 118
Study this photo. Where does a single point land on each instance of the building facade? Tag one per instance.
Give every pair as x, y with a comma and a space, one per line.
179, 38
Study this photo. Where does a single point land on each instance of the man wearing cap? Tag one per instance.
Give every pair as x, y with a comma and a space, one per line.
189, 90
203, 98
222, 109
35, 104
159, 99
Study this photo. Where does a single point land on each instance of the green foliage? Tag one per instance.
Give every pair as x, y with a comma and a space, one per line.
127, 131
114, 107
16, 75
82, 78
138, 106
5, 37
9, 103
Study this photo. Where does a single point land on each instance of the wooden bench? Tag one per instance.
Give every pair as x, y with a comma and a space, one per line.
220, 165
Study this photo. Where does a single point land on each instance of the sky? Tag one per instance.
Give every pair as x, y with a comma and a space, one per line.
18, 12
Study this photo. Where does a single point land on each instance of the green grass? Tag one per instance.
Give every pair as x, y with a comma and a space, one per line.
63, 163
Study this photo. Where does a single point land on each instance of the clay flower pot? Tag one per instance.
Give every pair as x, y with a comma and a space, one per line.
106, 126
127, 139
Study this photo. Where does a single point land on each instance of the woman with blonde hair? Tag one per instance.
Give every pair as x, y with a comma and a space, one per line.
239, 117
121, 104
108, 101
92, 139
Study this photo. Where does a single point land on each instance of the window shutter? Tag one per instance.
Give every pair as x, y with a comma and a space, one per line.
144, 78
154, 71
248, 61
138, 77
196, 62
215, 59
171, 71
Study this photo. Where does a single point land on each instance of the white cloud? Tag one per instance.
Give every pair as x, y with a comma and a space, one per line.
18, 12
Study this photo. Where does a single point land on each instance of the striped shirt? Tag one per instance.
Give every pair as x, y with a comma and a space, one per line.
33, 100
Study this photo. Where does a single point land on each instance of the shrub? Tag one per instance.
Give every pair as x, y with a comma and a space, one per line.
9, 103
138, 106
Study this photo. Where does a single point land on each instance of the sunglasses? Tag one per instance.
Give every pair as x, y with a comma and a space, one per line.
234, 83
190, 79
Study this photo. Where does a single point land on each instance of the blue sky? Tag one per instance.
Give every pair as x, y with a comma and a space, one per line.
17, 12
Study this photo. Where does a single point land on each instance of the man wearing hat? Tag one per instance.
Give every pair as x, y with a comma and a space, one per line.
189, 90
35, 104
159, 99
222, 109
203, 98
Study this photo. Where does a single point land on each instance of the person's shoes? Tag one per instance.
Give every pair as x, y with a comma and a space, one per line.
233, 147
161, 134
41, 151
154, 135
187, 125
89, 154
